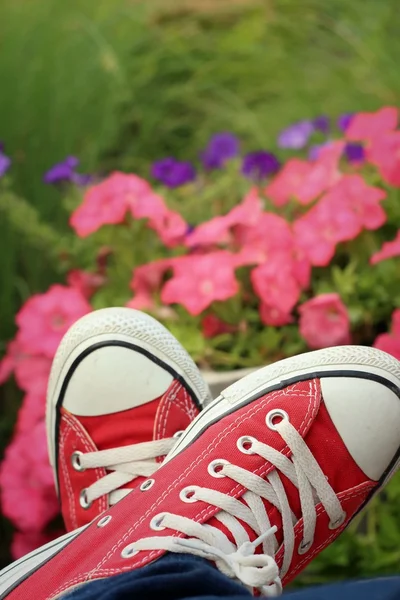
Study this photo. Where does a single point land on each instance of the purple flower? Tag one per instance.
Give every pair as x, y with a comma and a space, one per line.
314, 151
322, 124
65, 172
220, 148
354, 152
296, 136
344, 121
172, 172
5, 161
260, 164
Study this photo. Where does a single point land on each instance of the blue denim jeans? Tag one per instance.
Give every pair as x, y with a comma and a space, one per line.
180, 576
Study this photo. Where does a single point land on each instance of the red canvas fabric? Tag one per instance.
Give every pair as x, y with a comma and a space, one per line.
156, 420
131, 517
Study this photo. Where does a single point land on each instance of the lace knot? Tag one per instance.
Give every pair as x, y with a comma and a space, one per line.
256, 570
253, 570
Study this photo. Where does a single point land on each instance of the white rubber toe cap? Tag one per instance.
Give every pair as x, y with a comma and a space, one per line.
367, 416
112, 379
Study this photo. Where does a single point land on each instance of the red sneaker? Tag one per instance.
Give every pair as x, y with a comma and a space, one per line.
276, 468
121, 389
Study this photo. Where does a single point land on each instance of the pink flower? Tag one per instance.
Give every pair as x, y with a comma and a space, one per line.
217, 230
211, 326
170, 227
146, 281
339, 216
315, 235
275, 285
390, 342
384, 152
288, 181
301, 267
367, 126
273, 316
324, 321
31, 412
32, 374
269, 235
85, 282
146, 204
271, 241
323, 174
388, 250
25, 542
352, 193
200, 280
28, 496
8, 362
108, 202
45, 318
248, 211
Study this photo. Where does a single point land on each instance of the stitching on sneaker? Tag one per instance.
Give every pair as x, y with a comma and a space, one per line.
165, 405
169, 399
67, 479
189, 406
343, 496
90, 446
180, 405
250, 413
221, 436
314, 403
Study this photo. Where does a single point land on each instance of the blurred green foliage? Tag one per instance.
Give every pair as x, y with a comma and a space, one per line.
122, 82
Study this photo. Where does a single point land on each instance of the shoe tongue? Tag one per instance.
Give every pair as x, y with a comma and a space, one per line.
328, 448
123, 428
159, 419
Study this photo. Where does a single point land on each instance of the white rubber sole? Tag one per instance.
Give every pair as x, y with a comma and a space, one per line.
11, 575
125, 325
360, 359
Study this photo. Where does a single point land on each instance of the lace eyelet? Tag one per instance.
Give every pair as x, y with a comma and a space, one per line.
146, 485
246, 440
156, 522
336, 524
128, 552
304, 547
178, 434
215, 467
188, 494
104, 521
76, 461
273, 414
83, 500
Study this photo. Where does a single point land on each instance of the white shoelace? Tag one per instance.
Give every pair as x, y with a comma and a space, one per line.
124, 463
238, 560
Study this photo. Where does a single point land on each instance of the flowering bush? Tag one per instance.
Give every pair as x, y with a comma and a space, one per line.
245, 260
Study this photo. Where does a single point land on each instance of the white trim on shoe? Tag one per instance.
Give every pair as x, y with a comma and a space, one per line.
125, 327
16, 572
340, 361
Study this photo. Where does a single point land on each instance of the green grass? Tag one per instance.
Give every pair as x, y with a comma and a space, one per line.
253, 70
122, 82
63, 72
